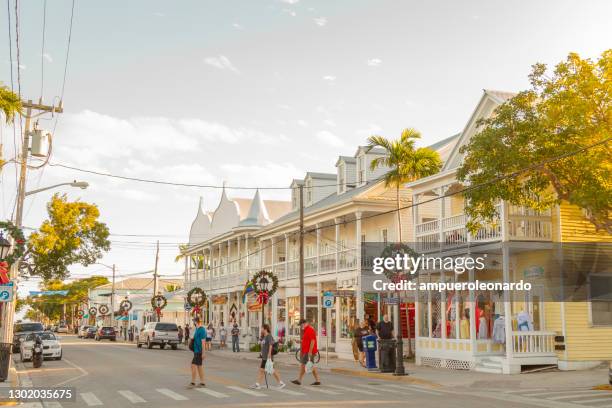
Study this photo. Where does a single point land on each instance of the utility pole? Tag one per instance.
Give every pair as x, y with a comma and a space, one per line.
8, 312
155, 288
302, 299
112, 322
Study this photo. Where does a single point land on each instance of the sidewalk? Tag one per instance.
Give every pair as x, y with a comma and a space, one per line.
13, 381
436, 377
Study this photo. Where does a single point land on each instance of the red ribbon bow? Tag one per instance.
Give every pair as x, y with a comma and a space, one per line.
196, 310
4, 273
262, 298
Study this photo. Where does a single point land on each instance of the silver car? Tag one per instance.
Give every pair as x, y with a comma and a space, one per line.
159, 334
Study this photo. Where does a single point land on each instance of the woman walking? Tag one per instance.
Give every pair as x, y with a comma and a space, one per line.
267, 345
210, 333
361, 331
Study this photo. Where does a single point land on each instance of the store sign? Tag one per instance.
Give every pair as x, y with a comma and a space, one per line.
328, 300
392, 301
342, 293
219, 300
6, 292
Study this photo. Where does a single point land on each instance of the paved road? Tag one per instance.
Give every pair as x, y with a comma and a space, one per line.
120, 375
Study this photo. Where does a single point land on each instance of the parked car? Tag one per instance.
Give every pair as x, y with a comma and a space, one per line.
91, 332
21, 330
159, 334
83, 331
51, 346
62, 328
106, 332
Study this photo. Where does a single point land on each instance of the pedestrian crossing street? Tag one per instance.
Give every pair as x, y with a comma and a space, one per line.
579, 396
217, 391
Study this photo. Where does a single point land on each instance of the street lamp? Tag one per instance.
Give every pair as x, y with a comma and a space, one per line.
5, 246
79, 184
263, 284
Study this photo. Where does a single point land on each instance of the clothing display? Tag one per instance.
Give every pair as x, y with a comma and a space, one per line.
483, 330
524, 321
499, 330
464, 329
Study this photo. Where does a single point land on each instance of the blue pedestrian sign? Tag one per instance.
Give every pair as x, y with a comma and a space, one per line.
328, 300
187, 307
6, 292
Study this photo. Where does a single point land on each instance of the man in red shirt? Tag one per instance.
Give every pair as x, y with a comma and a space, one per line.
308, 351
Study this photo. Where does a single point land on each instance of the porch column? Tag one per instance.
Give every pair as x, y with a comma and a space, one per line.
286, 258
507, 301
443, 311
473, 316
359, 295
188, 272
274, 317
245, 321
318, 227
441, 214
319, 321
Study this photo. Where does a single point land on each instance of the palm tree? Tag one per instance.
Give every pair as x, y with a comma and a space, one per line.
405, 164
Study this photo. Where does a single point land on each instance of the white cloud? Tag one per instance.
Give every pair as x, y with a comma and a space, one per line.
283, 106
330, 122
374, 62
329, 138
221, 62
372, 129
320, 21
302, 123
267, 173
290, 1
330, 78
237, 26
290, 12
47, 56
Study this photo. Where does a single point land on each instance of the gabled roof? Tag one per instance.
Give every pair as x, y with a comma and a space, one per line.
371, 150
346, 159
315, 175
296, 182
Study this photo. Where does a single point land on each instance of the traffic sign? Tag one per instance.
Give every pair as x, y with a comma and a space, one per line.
328, 300
187, 307
6, 292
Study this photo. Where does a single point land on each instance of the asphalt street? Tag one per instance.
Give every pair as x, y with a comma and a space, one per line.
121, 375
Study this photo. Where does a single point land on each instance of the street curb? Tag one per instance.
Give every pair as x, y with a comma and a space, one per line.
14, 382
382, 376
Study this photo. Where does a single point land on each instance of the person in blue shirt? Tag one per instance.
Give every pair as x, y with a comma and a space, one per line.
199, 338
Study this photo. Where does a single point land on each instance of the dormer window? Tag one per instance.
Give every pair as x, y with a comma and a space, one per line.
309, 191
361, 170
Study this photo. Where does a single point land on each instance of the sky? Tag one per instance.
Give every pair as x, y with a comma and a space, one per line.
255, 93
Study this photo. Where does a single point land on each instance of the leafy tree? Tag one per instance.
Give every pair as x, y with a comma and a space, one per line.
9, 103
563, 112
405, 164
71, 235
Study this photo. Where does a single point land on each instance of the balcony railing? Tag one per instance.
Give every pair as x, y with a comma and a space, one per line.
533, 343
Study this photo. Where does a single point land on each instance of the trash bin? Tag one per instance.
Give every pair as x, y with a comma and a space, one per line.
369, 347
5, 360
387, 355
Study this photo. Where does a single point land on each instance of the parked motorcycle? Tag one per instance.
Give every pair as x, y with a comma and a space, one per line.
37, 352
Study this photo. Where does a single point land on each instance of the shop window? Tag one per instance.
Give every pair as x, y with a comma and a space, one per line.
423, 314
436, 320
348, 313
600, 293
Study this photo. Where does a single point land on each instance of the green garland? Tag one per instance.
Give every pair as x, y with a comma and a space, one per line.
154, 303
193, 303
103, 310
125, 305
93, 311
270, 276
391, 251
18, 237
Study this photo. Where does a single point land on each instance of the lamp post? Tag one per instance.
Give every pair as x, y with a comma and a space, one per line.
263, 284
5, 247
78, 184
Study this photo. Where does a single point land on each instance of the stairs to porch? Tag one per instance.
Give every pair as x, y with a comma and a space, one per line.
489, 364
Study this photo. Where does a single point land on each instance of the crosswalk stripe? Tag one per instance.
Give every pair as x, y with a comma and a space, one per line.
212, 393
131, 396
246, 391
576, 394
413, 388
357, 390
377, 387
288, 392
594, 400
171, 394
324, 391
90, 399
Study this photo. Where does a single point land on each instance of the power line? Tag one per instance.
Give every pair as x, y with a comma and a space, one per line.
176, 184
42, 51
67, 52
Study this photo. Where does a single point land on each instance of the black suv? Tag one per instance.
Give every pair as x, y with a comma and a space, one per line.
106, 332
21, 330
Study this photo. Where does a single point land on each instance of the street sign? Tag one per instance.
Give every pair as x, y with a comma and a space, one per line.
392, 301
328, 300
6, 292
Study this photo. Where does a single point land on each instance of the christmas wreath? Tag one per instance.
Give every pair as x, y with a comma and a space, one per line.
264, 295
103, 310
163, 301
125, 306
391, 251
93, 311
18, 237
80, 314
196, 298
